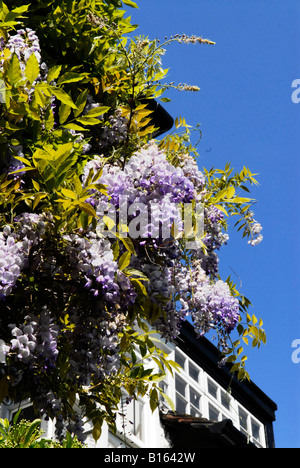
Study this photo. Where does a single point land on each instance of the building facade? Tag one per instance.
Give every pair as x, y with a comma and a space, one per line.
212, 408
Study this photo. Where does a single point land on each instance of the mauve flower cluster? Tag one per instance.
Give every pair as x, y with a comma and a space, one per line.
112, 133
24, 43
213, 240
209, 304
190, 169
155, 178
149, 187
35, 341
13, 257
15, 246
254, 231
92, 259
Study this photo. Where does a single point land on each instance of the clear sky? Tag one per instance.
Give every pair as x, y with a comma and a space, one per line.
247, 117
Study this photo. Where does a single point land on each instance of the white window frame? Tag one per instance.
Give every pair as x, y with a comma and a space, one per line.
126, 427
230, 411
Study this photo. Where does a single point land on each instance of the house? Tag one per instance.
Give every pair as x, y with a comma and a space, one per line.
213, 409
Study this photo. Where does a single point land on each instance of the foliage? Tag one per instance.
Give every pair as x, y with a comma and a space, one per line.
81, 294
26, 434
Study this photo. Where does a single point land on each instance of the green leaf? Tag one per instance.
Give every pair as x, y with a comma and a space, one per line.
24, 169
16, 12
240, 200
231, 358
30, 431
136, 273
127, 242
109, 222
230, 192
154, 400
68, 193
32, 69
49, 119
54, 73
97, 111
64, 112
87, 208
130, 3
16, 416
39, 97
37, 199
116, 250
139, 286
175, 365
86, 120
235, 367
69, 440
14, 73
254, 319
8, 24
81, 102
36, 185
169, 401
73, 126
23, 160
97, 429
62, 96
71, 77
124, 260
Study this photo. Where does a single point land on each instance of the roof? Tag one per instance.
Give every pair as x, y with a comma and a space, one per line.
185, 431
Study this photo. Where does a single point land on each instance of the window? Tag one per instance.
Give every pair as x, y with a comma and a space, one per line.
213, 413
250, 426
180, 385
212, 389
132, 419
255, 430
199, 395
137, 416
181, 403
243, 420
225, 400
164, 386
188, 400
195, 402
180, 359
193, 372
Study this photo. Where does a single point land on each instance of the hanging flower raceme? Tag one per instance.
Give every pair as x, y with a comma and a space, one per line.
191, 293
147, 194
35, 341
24, 43
92, 261
13, 256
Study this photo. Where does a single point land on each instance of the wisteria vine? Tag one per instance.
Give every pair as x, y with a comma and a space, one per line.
91, 242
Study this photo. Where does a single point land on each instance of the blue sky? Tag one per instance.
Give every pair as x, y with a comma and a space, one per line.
247, 117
